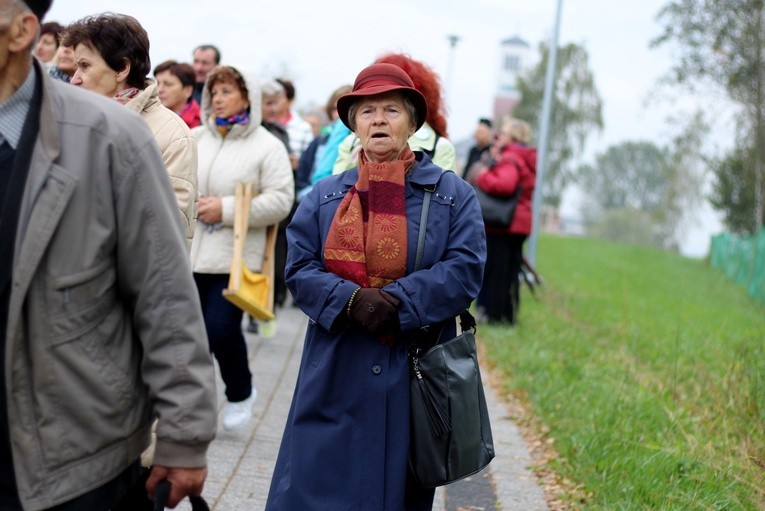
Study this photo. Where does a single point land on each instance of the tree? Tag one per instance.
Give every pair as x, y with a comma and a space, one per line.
576, 112
637, 184
722, 42
733, 190
690, 169
631, 176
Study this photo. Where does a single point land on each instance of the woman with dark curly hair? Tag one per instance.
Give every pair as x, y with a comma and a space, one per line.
432, 138
112, 55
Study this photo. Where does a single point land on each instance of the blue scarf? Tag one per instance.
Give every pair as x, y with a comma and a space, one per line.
224, 124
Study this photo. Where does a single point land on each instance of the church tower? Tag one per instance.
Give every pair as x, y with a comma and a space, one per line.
514, 57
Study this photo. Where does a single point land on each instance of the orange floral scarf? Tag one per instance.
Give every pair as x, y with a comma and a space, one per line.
367, 239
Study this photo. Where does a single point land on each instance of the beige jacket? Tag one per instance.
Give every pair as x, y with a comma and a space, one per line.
178, 148
248, 153
105, 329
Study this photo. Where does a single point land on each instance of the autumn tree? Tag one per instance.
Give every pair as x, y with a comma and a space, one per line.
639, 192
722, 42
625, 190
576, 113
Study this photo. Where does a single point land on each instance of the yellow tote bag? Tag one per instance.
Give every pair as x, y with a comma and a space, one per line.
251, 292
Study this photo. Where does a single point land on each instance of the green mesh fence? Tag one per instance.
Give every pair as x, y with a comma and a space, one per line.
742, 259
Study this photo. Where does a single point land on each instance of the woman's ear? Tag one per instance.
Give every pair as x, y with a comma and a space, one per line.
123, 74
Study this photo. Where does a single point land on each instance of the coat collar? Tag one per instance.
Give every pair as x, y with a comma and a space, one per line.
426, 173
144, 99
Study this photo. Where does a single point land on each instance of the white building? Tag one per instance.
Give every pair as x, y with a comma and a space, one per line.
514, 57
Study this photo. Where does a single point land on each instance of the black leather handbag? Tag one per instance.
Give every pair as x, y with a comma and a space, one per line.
450, 428
498, 210
450, 432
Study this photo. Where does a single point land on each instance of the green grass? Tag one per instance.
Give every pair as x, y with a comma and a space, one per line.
649, 371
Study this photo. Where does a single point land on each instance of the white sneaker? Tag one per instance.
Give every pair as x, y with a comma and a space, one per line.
268, 329
237, 415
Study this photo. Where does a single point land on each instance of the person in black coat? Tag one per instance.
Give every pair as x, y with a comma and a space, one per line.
483, 137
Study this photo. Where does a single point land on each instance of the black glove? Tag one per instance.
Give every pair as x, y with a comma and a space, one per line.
375, 310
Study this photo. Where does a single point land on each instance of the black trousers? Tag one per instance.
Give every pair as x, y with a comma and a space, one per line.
126, 492
500, 293
223, 321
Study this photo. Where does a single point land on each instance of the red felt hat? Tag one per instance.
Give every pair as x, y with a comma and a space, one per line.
379, 79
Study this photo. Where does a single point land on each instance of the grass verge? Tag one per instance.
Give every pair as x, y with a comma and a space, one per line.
648, 371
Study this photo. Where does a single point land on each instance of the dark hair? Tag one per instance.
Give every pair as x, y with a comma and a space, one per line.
53, 28
209, 47
118, 38
184, 72
227, 74
289, 88
486, 122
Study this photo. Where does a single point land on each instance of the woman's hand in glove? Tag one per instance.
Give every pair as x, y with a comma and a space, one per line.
375, 310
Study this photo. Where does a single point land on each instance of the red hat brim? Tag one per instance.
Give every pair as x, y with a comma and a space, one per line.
380, 79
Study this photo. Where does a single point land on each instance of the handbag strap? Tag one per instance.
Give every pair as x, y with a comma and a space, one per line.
423, 225
467, 321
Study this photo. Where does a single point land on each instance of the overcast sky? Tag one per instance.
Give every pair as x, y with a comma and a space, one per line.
323, 44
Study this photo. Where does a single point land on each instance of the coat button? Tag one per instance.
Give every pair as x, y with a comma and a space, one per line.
376, 369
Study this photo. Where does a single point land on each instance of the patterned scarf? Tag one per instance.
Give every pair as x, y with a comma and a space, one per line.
224, 124
125, 95
367, 239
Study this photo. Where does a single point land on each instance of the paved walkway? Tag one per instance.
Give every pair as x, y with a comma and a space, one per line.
241, 462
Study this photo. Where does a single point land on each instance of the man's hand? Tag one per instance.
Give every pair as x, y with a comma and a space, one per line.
184, 482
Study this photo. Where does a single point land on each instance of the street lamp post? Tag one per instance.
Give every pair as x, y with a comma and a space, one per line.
544, 129
453, 40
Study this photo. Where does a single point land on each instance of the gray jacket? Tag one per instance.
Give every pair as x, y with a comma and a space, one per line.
105, 329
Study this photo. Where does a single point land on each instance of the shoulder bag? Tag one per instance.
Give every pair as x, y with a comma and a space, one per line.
498, 210
450, 432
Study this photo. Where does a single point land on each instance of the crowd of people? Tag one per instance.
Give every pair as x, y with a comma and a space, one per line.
118, 241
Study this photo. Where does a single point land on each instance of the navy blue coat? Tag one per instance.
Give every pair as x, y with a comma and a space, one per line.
346, 440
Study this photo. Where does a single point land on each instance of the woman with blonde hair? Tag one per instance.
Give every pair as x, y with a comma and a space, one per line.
510, 169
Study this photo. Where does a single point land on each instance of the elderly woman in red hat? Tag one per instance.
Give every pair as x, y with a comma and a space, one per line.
350, 268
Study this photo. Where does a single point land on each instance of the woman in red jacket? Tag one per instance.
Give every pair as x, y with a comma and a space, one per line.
512, 165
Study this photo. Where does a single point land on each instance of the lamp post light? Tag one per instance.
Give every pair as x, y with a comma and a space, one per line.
453, 40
